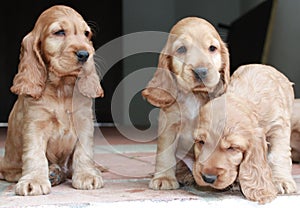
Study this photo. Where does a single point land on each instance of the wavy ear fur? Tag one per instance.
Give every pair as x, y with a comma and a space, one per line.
225, 65
32, 75
89, 82
162, 91
255, 175
225, 72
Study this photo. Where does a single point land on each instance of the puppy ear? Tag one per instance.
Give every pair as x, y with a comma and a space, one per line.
89, 82
32, 75
161, 91
224, 71
255, 175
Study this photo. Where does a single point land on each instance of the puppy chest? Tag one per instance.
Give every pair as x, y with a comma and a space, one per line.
62, 136
190, 109
59, 148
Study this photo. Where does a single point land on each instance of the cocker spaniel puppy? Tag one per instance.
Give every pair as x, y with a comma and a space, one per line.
51, 122
244, 135
193, 68
295, 136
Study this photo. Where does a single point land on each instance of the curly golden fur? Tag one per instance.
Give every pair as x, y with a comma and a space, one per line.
295, 136
193, 67
244, 135
52, 119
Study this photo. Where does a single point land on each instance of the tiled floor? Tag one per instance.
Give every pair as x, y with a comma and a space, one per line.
130, 165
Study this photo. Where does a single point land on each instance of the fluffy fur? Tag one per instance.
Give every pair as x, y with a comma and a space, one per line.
52, 119
193, 68
295, 136
244, 135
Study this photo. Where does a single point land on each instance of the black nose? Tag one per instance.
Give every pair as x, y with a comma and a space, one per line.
200, 73
209, 178
82, 55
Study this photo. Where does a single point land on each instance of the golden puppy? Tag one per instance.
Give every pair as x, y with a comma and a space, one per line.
52, 119
193, 68
295, 136
244, 135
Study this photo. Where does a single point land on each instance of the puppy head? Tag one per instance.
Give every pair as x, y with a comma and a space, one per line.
60, 43
229, 145
196, 60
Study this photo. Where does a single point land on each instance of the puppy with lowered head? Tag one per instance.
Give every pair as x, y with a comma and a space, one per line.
244, 135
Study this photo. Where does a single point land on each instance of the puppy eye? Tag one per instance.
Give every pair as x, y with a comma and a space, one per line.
212, 48
233, 149
181, 50
60, 33
87, 33
199, 141
230, 148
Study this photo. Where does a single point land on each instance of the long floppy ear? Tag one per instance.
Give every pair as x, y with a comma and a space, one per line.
89, 82
161, 90
225, 72
255, 175
225, 65
32, 75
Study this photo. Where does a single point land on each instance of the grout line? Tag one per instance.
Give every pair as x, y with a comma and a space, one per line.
127, 180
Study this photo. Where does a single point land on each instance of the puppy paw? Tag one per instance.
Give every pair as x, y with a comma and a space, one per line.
285, 186
33, 187
163, 183
56, 175
263, 199
87, 181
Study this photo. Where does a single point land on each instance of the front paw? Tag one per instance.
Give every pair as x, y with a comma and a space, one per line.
87, 181
164, 183
285, 186
264, 199
33, 187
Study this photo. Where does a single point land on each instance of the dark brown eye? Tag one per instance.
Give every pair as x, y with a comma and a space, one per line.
60, 33
233, 149
230, 148
212, 48
199, 141
181, 50
86, 33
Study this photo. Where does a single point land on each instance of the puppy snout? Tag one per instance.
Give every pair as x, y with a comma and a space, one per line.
82, 55
200, 73
209, 178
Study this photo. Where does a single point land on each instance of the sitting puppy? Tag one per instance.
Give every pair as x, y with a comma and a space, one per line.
244, 135
295, 136
51, 122
193, 68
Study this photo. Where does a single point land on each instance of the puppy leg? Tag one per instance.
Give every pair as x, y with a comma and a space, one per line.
10, 170
11, 163
184, 174
85, 173
295, 144
280, 160
164, 177
34, 180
